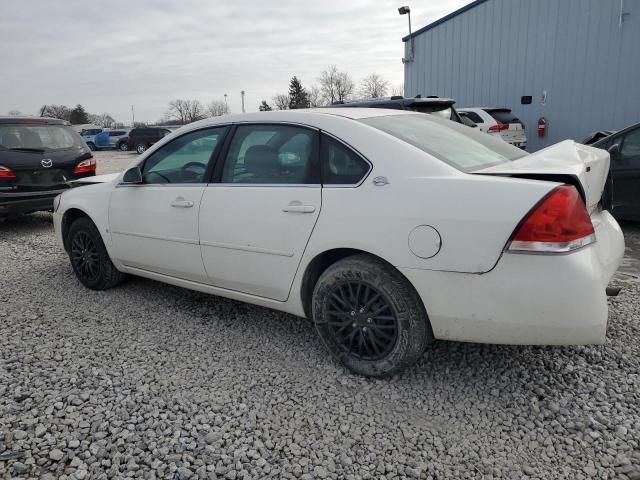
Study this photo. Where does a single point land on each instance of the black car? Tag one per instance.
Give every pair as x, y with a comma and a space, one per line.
624, 148
439, 106
143, 137
38, 159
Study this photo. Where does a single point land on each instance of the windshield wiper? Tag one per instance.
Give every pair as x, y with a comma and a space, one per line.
27, 149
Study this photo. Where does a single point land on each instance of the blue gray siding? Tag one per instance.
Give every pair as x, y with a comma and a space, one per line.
499, 50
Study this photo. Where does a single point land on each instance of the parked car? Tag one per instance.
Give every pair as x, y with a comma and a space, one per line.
38, 157
440, 106
89, 136
499, 122
113, 139
143, 137
624, 148
388, 228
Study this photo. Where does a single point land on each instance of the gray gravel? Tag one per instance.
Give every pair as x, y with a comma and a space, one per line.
152, 381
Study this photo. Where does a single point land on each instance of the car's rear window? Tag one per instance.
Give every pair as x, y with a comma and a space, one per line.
39, 137
453, 143
504, 116
443, 111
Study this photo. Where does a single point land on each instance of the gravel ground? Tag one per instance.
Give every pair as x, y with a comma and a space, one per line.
111, 161
153, 381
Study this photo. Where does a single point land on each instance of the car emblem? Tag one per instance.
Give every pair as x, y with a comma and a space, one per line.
46, 162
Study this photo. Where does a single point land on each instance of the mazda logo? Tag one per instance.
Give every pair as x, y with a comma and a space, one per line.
46, 162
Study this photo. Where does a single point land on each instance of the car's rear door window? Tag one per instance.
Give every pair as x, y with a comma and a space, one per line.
455, 144
271, 154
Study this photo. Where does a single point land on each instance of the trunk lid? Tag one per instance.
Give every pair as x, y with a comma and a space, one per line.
584, 167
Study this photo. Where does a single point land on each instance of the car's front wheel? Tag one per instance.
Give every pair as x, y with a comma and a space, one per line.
370, 317
89, 257
123, 147
141, 147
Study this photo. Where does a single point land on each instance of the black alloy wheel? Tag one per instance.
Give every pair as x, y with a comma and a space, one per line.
361, 320
84, 255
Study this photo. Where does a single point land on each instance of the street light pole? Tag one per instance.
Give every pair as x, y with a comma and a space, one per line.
133, 117
407, 11
226, 106
242, 95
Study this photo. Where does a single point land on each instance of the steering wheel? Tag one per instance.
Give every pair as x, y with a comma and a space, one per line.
185, 169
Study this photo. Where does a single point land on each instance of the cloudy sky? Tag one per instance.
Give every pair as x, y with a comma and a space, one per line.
111, 55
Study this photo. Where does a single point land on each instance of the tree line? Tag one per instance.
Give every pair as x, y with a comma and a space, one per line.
331, 86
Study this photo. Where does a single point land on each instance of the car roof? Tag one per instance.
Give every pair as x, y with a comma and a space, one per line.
306, 115
24, 120
404, 101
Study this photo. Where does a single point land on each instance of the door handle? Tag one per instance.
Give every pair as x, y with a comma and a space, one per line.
182, 203
297, 207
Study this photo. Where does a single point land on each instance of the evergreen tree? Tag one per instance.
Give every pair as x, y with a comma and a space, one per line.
298, 97
78, 115
265, 107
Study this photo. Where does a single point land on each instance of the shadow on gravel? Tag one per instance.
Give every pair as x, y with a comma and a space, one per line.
39, 222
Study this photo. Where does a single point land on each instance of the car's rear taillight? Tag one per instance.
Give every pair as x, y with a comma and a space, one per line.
499, 127
559, 223
85, 166
6, 173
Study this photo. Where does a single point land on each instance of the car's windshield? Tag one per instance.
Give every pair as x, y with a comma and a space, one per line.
38, 137
453, 143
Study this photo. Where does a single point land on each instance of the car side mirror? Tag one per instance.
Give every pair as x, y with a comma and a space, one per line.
132, 176
614, 149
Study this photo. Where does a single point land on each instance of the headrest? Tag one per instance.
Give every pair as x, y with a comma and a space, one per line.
261, 160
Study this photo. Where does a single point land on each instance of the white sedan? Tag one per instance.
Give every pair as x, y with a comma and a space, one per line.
388, 229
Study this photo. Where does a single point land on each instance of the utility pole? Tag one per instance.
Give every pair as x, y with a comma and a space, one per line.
242, 94
226, 106
133, 117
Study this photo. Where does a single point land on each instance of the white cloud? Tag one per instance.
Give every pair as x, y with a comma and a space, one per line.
110, 55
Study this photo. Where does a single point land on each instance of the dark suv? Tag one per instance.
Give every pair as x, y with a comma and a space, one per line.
38, 159
439, 106
142, 138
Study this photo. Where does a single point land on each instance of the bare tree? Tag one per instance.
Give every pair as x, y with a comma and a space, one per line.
217, 108
373, 86
281, 101
315, 97
185, 111
335, 86
397, 89
55, 111
14, 113
345, 86
103, 120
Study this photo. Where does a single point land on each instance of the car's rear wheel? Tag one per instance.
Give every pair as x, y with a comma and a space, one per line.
370, 317
89, 257
123, 147
141, 147
91, 146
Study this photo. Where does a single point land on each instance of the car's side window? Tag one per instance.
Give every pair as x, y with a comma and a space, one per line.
340, 165
183, 160
631, 145
271, 154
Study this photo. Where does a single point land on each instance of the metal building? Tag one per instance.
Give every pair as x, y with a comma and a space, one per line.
578, 60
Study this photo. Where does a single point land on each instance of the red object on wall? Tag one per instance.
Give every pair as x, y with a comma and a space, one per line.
542, 127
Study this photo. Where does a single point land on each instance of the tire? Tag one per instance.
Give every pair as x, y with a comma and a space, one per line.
141, 147
89, 258
361, 297
123, 147
91, 146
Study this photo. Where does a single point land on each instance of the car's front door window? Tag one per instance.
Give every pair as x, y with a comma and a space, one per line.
271, 154
183, 160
